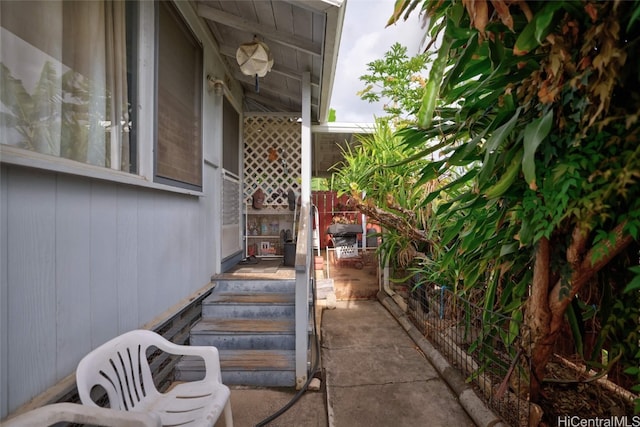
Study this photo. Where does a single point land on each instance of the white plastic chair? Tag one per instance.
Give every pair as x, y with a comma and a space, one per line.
120, 366
50, 415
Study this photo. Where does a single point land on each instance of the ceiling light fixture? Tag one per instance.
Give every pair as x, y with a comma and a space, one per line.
254, 59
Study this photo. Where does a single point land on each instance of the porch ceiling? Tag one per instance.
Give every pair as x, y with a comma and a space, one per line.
327, 151
303, 35
329, 141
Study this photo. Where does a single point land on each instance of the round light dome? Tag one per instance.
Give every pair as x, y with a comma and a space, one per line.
254, 58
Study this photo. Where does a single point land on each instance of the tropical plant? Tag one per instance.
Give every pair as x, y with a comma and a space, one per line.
539, 107
383, 185
538, 103
397, 79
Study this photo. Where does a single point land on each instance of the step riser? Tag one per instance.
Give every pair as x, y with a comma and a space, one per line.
260, 378
245, 342
255, 286
241, 311
251, 323
248, 378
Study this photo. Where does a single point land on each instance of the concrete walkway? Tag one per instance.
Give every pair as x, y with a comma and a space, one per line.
379, 371
377, 376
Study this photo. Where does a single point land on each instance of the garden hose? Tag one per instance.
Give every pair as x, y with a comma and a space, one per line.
312, 373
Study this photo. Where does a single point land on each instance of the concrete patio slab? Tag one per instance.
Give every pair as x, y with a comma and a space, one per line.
251, 406
414, 403
354, 366
376, 375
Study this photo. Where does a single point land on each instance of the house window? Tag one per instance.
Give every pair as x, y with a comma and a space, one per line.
66, 77
230, 164
178, 154
230, 138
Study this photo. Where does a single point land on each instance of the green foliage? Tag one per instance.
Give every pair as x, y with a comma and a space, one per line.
397, 80
377, 171
531, 117
319, 184
586, 175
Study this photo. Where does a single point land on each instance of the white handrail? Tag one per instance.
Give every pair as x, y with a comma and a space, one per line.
304, 271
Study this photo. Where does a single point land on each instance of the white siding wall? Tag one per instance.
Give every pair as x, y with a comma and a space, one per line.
84, 261
4, 290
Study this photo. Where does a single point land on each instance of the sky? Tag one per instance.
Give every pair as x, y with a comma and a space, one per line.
365, 39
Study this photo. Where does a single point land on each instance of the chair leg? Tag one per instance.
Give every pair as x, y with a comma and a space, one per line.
228, 417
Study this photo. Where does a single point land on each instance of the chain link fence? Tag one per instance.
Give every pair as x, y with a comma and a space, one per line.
485, 346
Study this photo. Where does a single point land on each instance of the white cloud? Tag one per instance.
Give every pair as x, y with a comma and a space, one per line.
365, 39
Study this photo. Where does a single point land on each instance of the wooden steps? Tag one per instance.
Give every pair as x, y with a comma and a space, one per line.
252, 323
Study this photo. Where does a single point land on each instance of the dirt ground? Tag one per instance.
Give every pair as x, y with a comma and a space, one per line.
353, 278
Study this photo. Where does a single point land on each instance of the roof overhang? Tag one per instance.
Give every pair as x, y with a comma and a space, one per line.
303, 36
330, 139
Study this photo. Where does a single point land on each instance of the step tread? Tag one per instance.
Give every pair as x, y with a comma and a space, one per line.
250, 360
251, 298
259, 285
247, 326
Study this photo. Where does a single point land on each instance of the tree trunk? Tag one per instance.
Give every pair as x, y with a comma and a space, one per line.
538, 318
546, 307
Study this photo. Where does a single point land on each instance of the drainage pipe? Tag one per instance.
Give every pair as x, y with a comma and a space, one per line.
385, 286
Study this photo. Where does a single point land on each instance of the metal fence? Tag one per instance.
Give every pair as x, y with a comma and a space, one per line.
484, 345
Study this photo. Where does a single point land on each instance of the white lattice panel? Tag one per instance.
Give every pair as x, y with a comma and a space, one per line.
272, 154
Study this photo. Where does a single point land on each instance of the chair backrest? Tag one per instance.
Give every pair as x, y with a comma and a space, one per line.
119, 366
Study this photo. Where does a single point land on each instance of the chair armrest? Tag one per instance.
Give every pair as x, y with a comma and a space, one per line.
74, 413
208, 353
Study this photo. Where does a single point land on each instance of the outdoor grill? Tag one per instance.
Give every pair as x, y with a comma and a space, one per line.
345, 242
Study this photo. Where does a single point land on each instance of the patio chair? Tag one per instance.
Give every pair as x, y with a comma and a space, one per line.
121, 368
50, 415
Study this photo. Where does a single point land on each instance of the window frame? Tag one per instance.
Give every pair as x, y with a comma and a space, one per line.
198, 81
143, 171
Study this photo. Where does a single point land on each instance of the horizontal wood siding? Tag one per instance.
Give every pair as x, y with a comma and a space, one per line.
85, 260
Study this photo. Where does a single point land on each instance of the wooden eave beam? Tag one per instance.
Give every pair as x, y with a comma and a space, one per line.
270, 102
230, 52
265, 87
281, 37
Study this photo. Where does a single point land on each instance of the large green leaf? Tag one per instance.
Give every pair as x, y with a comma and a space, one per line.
496, 139
534, 133
536, 30
425, 113
452, 232
544, 20
454, 74
431, 171
634, 284
574, 317
466, 152
635, 15
506, 179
